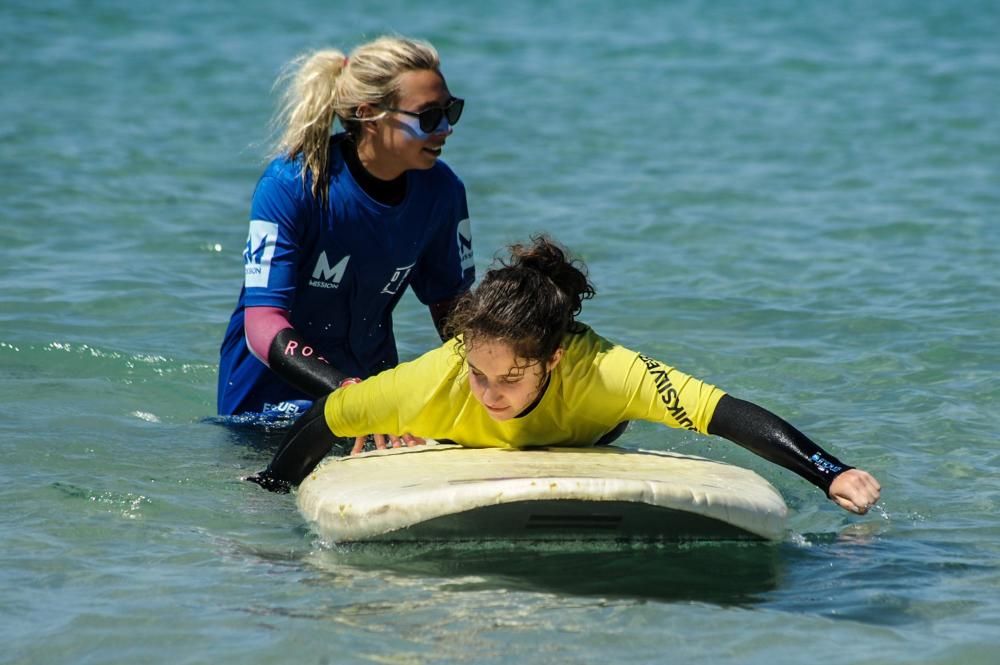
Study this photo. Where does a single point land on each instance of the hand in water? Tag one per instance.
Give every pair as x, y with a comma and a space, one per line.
394, 441
855, 490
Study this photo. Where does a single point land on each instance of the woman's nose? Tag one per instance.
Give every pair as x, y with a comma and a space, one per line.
491, 394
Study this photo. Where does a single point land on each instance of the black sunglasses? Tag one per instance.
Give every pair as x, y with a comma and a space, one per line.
430, 119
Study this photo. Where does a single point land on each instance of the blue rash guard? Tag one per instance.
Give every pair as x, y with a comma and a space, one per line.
339, 268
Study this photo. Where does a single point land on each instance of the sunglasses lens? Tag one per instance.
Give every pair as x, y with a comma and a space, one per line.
454, 110
430, 120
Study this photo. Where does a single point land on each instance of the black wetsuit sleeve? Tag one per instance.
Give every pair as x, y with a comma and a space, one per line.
308, 441
295, 361
765, 434
440, 312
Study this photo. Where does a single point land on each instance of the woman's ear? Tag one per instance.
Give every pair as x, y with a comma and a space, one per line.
554, 360
367, 117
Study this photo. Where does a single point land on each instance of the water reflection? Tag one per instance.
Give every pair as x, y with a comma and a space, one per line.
719, 573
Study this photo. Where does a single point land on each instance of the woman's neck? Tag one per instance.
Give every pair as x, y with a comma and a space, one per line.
387, 191
383, 168
538, 398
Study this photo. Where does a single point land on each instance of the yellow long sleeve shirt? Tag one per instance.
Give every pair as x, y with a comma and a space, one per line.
595, 386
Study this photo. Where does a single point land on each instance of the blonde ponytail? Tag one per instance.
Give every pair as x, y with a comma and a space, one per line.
327, 84
307, 111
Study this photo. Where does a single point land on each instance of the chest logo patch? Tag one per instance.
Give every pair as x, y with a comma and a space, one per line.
326, 277
398, 280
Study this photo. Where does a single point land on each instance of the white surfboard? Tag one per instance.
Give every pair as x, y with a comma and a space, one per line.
447, 492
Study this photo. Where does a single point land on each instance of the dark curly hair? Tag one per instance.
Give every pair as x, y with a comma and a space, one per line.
529, 301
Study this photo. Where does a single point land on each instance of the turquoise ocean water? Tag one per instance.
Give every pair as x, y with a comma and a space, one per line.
799, 202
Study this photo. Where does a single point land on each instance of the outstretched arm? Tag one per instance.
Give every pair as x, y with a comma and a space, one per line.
767, 435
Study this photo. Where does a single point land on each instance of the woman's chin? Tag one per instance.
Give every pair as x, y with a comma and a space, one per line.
499, 414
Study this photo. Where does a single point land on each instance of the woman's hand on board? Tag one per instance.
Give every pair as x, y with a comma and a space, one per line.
394, 441
383, 441
855, 491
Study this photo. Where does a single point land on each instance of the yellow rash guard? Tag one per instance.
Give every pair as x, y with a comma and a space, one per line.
595, 386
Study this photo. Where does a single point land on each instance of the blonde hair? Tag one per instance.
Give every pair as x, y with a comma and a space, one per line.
325, 84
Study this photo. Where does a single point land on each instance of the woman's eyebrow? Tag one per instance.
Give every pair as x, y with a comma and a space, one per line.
434, 104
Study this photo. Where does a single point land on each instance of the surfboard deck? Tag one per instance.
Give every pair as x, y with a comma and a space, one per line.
444, 492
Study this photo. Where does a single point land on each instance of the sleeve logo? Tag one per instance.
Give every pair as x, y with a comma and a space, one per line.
464, 237
259, 252
669, 395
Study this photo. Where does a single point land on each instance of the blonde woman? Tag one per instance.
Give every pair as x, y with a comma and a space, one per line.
342, 223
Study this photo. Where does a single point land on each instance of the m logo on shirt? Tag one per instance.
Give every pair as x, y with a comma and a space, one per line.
398, 279
326, 277
465, 244
258, 253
